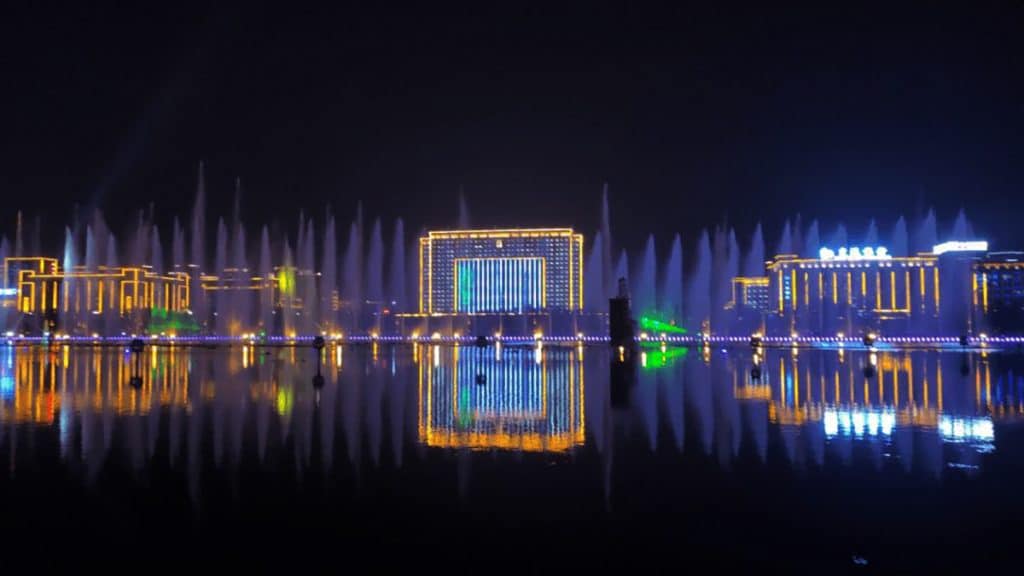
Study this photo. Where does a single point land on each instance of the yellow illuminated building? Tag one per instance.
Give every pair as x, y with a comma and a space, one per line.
507, 271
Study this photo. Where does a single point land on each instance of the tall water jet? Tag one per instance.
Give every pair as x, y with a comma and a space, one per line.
812, 241
69, 262
962, 227
899, 244
91, 250
622, 268
719, 277
138, 250
871, 236
352, 282
242, 302
111, 322
926, 234
310, 317
5, 251
196, 293
375, 265
732, 270
396, 270
178, 262
672, 283
610, 281
753, 264
35, 245
645, 292
221, 301
412, 271
156, 261
19, 236
785, 245
594, 277
329, 274
463, 211
265, 272
698, 301
798, 236
839, 237
286, 289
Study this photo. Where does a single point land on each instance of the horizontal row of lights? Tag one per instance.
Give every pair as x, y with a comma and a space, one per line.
438, 337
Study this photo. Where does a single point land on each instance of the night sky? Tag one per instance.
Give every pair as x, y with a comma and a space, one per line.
691, 114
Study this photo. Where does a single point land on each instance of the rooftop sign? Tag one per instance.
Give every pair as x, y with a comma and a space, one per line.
855, 253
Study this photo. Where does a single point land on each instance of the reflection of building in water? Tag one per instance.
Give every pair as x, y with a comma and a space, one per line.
482, 398
38, 384
870, 396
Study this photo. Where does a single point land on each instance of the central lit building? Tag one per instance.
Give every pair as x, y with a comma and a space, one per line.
501, 271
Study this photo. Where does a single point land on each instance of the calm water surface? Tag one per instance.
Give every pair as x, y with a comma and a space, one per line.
469, 460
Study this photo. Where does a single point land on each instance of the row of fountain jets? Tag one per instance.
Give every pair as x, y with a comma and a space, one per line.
695, 297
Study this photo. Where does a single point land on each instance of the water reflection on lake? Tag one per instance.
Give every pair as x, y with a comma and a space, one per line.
385, 413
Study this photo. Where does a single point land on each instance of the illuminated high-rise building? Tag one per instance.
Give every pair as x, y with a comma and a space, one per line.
501, 271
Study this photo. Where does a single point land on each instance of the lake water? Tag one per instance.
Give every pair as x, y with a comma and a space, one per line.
469, 460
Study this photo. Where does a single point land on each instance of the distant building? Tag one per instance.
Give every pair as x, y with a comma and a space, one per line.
957, 288
999, 278
501, 271
38, 296
852, 291
749, 302
515, 280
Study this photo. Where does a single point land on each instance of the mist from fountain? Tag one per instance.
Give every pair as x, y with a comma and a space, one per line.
19, 236
622, 268
645, 291
375, 265
610, 279
753, 264
671, 303
287, 292
196, 294
812, 241
594, 277
111, 323
178, 262
871, 236
839, 237
396, 270
698, 302
156, 260
785, 245
463, 222
69, 262
329, 277
926, 233
309, 315
962, 229
899, 244
352, 281
264, 269
221, 300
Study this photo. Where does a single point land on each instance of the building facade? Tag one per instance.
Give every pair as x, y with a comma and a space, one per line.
999, 295
957, 288
520, 271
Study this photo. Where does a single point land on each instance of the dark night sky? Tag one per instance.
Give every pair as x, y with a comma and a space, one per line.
691, 114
